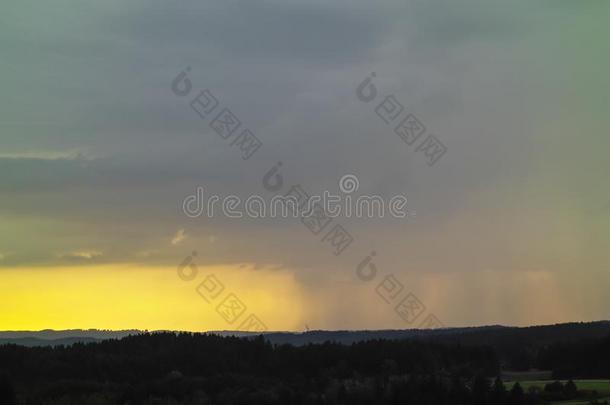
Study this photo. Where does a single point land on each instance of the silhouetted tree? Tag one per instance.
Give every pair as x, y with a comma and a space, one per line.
7, 392
480, 389
498, 391
570, 391
554, 387
517, 395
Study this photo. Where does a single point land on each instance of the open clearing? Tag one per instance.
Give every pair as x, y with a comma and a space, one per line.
601, 386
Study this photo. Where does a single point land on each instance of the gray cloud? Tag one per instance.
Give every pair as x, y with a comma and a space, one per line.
97, 78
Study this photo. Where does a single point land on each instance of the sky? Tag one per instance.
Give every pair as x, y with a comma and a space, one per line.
97, 154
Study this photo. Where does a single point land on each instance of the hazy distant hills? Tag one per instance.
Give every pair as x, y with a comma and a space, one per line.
484, 335
32, 341
50, 337
69, 333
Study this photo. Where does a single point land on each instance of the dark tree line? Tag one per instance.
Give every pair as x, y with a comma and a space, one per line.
154, 355
585, 359
185, 368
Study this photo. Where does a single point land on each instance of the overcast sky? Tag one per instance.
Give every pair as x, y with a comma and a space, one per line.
97, 153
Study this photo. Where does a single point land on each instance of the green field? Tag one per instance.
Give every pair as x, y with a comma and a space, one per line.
601, 386
580, 401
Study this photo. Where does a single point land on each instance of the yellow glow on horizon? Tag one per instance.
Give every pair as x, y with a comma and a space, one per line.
130, 297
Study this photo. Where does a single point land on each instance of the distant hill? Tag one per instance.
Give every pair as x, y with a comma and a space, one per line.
496, 335
35, 342
69, 333
482, 335
50, 337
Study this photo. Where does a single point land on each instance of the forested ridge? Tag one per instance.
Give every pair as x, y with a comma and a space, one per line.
191, 368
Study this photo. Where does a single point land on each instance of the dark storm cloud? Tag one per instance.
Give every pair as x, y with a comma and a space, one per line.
279, 31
